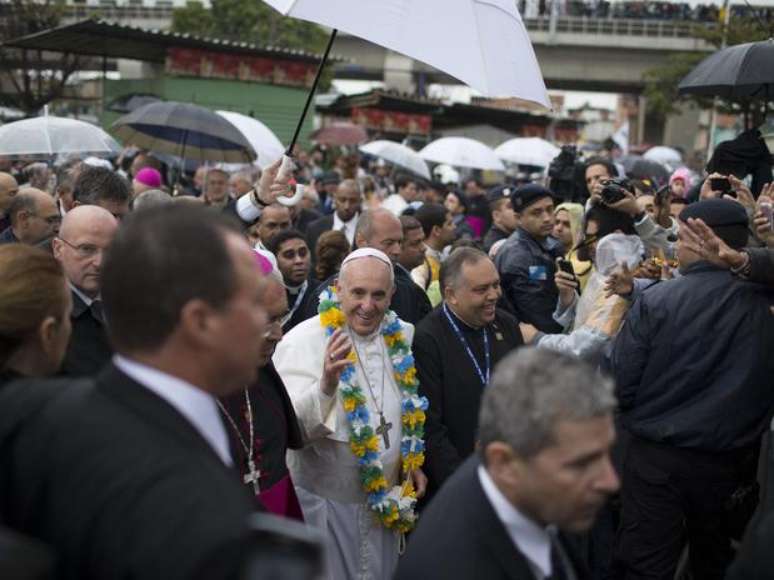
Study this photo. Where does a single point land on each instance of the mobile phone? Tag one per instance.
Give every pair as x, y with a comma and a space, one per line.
565, 266
723, 185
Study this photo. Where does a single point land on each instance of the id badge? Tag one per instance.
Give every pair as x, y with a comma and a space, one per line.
538, 273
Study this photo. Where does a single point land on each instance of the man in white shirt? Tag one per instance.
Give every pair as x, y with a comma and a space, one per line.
406, 192
131, 476
543, 468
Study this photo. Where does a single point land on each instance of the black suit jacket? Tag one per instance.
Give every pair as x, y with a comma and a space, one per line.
315, 229
89, 349
304, 217
460, 536
121, 485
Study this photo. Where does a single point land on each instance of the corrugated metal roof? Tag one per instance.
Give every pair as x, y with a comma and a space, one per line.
112, 40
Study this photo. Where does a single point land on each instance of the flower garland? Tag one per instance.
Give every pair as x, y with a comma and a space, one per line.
395, 508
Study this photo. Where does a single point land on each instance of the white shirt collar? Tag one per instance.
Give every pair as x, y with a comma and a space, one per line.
86, 300
349, 226
197, 406
531, 540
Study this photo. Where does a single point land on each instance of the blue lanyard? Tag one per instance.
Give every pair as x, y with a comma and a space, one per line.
484, 378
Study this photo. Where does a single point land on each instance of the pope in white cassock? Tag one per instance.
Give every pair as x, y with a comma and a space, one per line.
350, 374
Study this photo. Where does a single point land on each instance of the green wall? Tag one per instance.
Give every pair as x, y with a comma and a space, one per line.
277, 107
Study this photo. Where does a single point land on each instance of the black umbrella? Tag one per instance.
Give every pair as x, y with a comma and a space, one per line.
640, 168
185, 131
743, 71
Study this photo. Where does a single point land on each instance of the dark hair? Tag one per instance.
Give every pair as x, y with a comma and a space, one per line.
430, 215
409, 222
402, 180
33, 288
282, 236
611, 170
332, 247
451, 268
609, 220
21, 202
160, 259
97, 183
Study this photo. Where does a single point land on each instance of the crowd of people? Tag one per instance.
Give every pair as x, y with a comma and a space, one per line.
707, 12
442, 379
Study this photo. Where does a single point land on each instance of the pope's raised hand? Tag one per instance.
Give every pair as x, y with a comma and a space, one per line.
336, 361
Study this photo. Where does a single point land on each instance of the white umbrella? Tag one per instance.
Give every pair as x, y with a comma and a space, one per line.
266, 144
462, 152
50, 136
528, 151
664, 155
483, 43
398, 154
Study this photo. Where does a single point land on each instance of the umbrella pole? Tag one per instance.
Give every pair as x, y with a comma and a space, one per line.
178, 188
312, 91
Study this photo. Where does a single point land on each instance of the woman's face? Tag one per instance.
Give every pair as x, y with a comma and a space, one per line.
452, 204
563, 229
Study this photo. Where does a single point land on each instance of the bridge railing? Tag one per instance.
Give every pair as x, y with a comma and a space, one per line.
614, 26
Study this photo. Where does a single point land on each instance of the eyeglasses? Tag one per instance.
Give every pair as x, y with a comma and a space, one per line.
83, 250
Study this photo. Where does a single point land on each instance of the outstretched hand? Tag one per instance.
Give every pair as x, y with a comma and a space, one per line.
335, 362
268, 188
699, 238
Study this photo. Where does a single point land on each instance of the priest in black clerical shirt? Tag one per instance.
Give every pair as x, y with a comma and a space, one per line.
294, 261
456, 347
261, 422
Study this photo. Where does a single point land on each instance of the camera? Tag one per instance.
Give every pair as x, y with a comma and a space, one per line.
614, 190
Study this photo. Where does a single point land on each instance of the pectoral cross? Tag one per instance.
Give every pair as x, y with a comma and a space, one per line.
384, 430
252, 476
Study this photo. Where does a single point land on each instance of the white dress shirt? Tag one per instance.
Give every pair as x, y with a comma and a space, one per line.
196, 405
349, 227
530, 539
86, 300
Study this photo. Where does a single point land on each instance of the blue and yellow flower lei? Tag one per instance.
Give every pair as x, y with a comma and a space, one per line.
395, 508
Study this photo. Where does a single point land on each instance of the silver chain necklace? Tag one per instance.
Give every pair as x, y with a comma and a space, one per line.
253, 473
384, 427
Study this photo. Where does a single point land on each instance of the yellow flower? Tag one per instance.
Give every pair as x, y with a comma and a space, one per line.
414, 418
333, 317
392, 340
413, 461
349, 405
373, 444
376, 484
357, 448
351, 356
391, 517
410, 375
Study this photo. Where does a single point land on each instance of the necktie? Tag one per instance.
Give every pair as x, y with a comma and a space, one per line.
558, 562
97, 311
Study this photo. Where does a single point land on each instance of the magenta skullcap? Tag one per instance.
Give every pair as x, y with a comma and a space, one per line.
149, 176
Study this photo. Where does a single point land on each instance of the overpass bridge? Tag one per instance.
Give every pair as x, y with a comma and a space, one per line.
574, 52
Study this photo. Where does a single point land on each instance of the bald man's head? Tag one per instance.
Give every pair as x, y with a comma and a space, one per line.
86, 232
380, 229
34, 216
8, 189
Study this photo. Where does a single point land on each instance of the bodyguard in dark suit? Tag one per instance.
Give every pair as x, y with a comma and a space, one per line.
542, 471
86, 232
348, 200
132, 477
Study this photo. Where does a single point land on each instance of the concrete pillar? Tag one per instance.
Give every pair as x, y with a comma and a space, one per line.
642, 105
398, 72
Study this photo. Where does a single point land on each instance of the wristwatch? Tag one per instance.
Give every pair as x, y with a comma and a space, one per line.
745, 269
